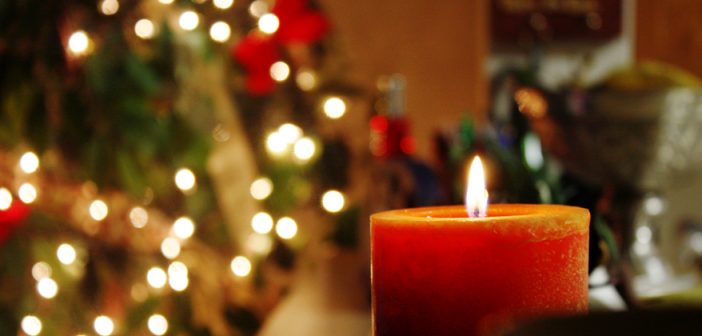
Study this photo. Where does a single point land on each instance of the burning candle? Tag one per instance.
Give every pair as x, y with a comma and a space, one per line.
452, 270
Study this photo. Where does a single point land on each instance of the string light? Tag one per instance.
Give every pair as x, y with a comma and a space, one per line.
156, 277
31, 325
166, 2
258, 8
189, 20
158, 325
241, 266
333, 201
178, 276
66, 254
183, 228
280, 71
276, 144
220, 31
306, 80
5, 199
78, 43
259, 243
334, 107
29, 162
47, 288
304, 149
286, 228
138, 217
98, 210
261, 188
103, 325
268, 23
41, 270
262, 223
27, 193
109, 7
185, 179
144, 28
170, 247
223, 4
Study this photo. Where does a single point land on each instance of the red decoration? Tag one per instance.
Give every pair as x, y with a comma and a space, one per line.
256, 53
299, 23
11, 218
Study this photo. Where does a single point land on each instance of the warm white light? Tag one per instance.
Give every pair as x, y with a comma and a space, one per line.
241, 266
280, 71
644, 234
27, 193
258, 8
333, 201
268, 23
262, 223
166, 2
5, 199
47, 288
476, 193
29, 162
261, 188
109, 7
334, 107
306, 80
41, 270
259, 243
189, 20
144, 28
532, 152
158, 325
138, 216
286, 228
78, 42
185, 179
290, 132
304, 149
178, 276
183, 228
66, 254
103, 325
156, 277
220, 31
31, 325
170, 247
276, 144
223, 4
654, 205
98, 210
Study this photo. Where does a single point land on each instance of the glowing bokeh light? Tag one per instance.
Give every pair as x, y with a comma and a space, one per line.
29, 162
268, 23
156, 277
103, 325
223, 4
78, 43
334, 107
261, 188
98, 210
333, 201
189, 20
286, 228
304, 149
280, 71
66, 254
41, 270
47, 288
145, 29
183, 228
262, 223
178, 276
31, 325
306, 80
109, 7
241, 266
139, 217
185, 179
158, 325
170, 248
27, 193
5, 199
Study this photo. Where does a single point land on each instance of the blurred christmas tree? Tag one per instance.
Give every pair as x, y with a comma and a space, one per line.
131, 198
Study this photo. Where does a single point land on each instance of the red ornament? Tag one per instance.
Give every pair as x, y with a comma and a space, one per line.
299, 23
12, 218
256, 53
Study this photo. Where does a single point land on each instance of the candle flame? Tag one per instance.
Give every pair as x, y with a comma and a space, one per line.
476, 193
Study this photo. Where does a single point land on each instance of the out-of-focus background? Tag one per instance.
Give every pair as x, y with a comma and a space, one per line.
208, 167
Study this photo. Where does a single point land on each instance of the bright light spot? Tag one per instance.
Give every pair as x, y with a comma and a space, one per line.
103, 325
170, 247
654, 205
5, 199
241, 266
695, 242
29, 162
261, 188
41, 270
185, 179
109, 7
476, 199
156, 277
290, 132
286, 228
222, 4
642, 249
139, 217
183, 228
166, 2
98, 210
280, 71
262, 223
532, 152
178, 276
644, 234
276, 144
188, 20
306, 80
334, 107
259, 243
158, 325
220, 31
333, 201
268, 23
78, 43
304, 149
656, 269
144, 28
258, 8
47, 288
66, 254
31, 325
599, 276
27, 193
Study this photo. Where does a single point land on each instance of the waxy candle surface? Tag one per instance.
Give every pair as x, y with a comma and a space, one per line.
436, 272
